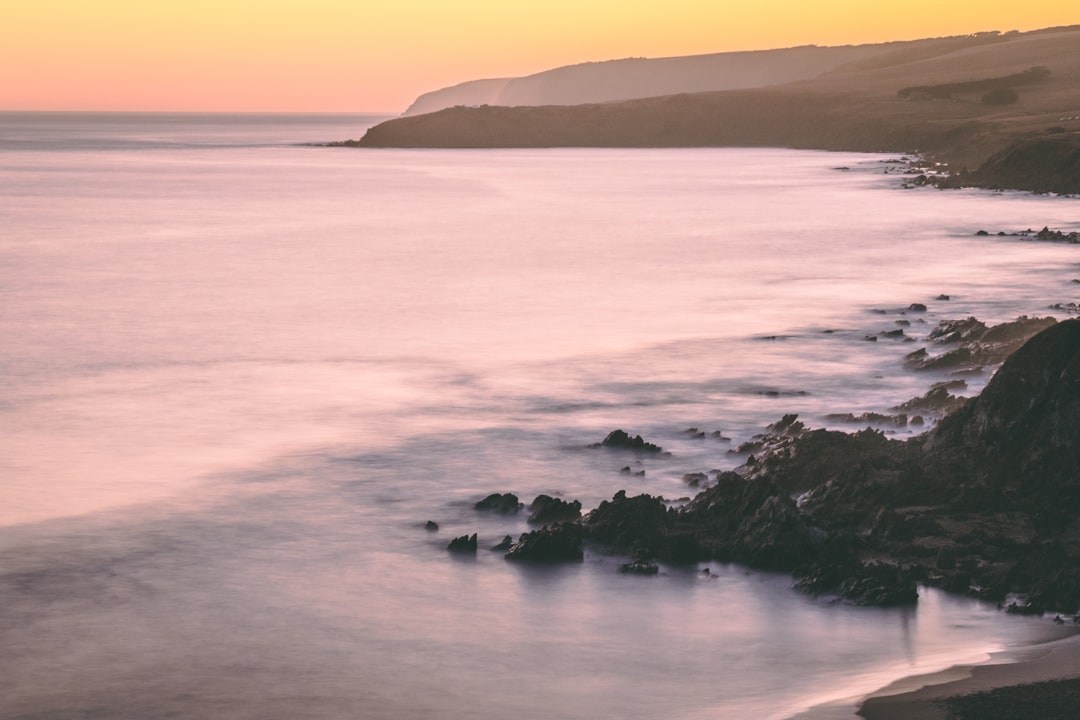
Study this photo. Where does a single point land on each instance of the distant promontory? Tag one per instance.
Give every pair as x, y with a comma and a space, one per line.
1001, 109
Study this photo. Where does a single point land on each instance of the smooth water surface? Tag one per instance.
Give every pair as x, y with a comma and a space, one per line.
239, 374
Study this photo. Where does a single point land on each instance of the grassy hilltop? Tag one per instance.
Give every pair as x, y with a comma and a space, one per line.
1002, 109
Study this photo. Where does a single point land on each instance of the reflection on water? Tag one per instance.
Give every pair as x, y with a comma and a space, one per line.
237, 381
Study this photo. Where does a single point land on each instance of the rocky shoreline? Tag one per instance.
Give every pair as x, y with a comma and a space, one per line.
985, 504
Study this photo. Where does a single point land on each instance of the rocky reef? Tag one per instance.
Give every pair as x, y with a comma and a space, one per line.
987, 503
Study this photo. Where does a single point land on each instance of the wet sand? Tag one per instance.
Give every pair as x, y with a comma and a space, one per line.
1041, 681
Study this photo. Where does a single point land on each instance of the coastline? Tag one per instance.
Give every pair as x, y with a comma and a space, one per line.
932, 103
923, 697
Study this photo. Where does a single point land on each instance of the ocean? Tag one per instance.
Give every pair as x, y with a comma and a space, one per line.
240, 372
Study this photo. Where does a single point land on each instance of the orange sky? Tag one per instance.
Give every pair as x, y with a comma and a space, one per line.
357, 55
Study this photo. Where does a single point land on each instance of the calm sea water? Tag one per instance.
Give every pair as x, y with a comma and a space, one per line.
238, 374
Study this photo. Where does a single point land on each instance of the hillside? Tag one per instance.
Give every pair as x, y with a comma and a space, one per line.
890, 101
632, 78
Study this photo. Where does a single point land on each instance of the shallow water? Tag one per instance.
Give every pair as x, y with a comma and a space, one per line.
240, 374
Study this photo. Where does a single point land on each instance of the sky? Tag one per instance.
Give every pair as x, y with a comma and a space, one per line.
360, 55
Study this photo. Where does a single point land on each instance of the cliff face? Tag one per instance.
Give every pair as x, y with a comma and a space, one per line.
1015, 444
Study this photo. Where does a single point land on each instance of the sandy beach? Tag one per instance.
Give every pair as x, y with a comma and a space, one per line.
1041, 681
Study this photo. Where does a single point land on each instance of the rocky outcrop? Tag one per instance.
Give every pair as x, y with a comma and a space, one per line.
555, 543
546, 510
987, 503
622, 440
500, 502
463, 544
971, 346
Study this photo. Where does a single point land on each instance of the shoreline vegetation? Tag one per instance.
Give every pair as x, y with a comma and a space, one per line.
997, 111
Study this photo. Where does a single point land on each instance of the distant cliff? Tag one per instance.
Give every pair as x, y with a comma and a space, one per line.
644, 77
960, 100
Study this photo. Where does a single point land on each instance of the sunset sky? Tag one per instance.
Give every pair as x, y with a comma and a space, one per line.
359, 55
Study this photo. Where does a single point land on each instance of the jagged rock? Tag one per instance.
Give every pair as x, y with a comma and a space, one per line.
505, 544
1048, 235
431, 526
562, 542
916, 307
938, 400
499, 502
950, 331
463, 544
869, 418
546, 510
621, 439
787, 425
640, 523
979, 346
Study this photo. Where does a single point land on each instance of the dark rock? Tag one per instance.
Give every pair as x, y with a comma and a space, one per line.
1017, 440
1048, 235
950, 331
497, 502
625, 470
639, 567
695, 479
431, 526
562, 542
505, 544
943, 297
880, 585
621, 439
936, 401
869, 418
916, 307
870, 338
463, 544
982, 233
628, 525
787, 425
546, 510
898, 333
